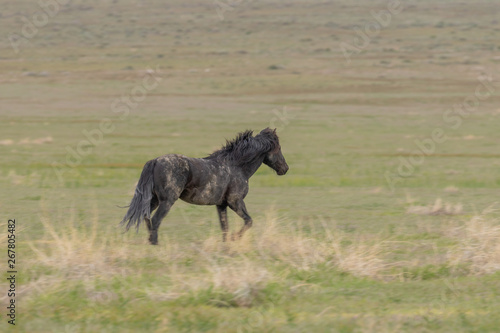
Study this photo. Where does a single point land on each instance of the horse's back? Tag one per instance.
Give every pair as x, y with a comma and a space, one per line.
207, 182
194, 180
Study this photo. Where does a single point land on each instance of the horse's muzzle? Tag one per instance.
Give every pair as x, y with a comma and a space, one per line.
282, 171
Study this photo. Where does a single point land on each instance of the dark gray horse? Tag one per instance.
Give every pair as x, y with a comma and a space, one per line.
219, 179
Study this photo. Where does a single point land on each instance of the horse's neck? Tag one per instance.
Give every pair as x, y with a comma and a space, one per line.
250, 168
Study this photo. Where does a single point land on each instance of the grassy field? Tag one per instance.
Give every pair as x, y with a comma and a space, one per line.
386, 222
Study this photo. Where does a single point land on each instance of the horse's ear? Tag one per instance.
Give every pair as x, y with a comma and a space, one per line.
274, 131
266, 130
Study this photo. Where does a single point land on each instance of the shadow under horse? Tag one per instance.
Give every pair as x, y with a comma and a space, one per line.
219, 179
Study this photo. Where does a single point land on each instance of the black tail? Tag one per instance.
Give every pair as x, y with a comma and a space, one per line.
140, 206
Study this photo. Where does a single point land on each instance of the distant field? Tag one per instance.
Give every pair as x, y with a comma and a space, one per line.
386, 222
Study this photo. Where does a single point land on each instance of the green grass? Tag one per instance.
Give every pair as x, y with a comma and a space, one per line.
333, 248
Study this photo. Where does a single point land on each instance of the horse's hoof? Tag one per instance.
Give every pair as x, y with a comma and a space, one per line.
235, 236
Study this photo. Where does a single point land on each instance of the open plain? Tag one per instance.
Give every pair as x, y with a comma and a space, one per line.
387, 113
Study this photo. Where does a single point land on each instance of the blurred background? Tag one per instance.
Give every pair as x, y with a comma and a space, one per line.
387, 114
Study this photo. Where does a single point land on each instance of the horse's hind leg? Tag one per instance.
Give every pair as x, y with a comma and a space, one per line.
171, 174
154, 205
163, 208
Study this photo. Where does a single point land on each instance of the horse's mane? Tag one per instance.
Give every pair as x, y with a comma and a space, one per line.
245, 147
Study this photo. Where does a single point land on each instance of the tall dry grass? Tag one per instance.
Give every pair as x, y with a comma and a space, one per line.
280, 241
437, 208
228, 274
85, 252
478, 244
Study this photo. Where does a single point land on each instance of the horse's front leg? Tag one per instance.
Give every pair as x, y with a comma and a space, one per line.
240, 209
222, 210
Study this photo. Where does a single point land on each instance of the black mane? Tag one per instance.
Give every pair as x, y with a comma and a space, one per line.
245, 147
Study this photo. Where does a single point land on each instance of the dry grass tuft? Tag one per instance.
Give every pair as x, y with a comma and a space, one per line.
6, 142
478, 245
291, 245
242, 278
39, 141
231, 281
83, 253
74, 252
28, 179
360, 258
438, 208
451, 189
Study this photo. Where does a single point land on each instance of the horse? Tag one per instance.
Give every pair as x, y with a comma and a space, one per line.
219, 179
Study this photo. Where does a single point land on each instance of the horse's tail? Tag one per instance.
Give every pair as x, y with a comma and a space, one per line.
140, 206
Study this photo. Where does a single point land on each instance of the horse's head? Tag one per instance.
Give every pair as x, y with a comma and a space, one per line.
274, 158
